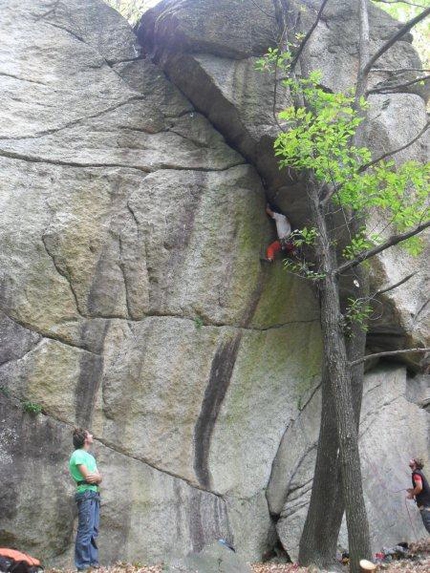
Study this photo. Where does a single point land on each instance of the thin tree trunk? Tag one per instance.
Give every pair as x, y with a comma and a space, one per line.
318, 543
340, 381
320, 533
336, 450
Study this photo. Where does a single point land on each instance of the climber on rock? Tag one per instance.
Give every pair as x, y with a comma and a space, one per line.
283, 229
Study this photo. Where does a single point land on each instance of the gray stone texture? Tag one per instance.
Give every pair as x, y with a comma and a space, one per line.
132, 298
392, 430
215, 558
239, 101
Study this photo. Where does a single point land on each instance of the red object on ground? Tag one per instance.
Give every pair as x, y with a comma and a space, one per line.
19, 556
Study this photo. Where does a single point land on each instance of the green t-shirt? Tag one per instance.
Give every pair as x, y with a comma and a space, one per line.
81, 457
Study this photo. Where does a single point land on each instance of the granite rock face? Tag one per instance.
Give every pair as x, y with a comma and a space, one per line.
393, 423
240, 101
132, 298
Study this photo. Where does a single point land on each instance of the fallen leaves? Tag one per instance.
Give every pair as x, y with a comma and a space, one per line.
419, 563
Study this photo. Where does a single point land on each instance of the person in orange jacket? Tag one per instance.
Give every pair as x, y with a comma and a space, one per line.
283, 229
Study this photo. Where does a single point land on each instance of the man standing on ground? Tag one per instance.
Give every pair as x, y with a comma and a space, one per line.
83, 469
420, 491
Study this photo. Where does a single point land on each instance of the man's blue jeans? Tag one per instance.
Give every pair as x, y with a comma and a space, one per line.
86, 552
425, 516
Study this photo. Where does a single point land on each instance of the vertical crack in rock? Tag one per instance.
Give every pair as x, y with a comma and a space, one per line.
219, 380
90, 375
123, 267
46, 240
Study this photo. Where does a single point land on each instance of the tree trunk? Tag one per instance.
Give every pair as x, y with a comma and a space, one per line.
339, 380
320, 533
318, 543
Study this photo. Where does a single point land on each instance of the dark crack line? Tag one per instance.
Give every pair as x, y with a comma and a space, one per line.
143, 460
48, 336
297, 507
140, 130
73, 34
133, 214
302, 458
366, 421
124, 276
218, 325
185, 112
196, 142
417, 318
304, 485
74, 122
62, 274
18, 358
174, 316
248, 157
34, 159
21, 79
82, 40
118, 451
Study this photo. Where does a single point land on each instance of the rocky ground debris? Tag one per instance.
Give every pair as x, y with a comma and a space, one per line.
418, 561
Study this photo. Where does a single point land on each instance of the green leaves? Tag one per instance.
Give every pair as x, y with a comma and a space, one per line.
358, 311
400, 194
304, 236
318, 137
359, 243
273, 59
31, 407
302, 269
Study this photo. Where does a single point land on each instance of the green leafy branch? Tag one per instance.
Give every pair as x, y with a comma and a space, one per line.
302, 269
358, 311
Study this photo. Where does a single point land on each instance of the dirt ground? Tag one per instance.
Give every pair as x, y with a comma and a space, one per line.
418, 562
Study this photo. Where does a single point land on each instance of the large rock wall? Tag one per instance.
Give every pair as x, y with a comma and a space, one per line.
132, 298
392, 424
214, 66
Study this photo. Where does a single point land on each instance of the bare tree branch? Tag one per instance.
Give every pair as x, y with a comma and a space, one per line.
363, 54
276, 79
399, 70
388, 353
394, 38
400, 2
369, 253
392, 287
388, 89
335, 188
262, 10
308, 35
394, 151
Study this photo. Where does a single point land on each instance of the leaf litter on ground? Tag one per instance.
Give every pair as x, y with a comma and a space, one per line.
418, 561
